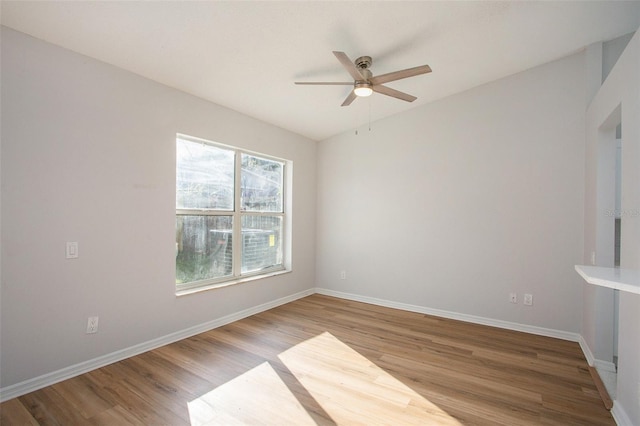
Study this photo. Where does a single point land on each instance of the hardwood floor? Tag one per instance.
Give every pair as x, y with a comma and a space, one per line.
326, 361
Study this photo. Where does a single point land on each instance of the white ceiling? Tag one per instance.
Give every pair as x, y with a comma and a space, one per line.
245, 55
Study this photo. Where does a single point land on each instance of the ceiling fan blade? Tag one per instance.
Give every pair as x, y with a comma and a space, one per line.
397, 75
349, 65
349, 99
325, 83
393, 93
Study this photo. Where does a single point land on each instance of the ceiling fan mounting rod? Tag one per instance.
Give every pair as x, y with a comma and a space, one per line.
363, 62
366, 74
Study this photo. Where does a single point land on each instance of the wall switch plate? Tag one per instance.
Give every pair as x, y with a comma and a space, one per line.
528, 299
343, 275
72, 250
513, 298
92, 325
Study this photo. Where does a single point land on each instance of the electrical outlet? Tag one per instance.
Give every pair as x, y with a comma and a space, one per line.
513, 298
92, 325
343, 275
528, 299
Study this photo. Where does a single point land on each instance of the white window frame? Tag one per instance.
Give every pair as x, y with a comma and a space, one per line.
237, 275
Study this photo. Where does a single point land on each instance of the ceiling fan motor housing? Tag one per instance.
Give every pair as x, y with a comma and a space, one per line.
363, 63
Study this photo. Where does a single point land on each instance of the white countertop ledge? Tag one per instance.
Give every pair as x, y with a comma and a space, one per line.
616, 278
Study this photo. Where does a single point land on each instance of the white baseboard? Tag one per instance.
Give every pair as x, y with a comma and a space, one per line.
620, 416
49, 379
541, 331
599, 364
591, 360
607, 366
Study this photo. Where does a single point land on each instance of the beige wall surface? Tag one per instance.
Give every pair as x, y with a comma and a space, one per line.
458, 203
88, 155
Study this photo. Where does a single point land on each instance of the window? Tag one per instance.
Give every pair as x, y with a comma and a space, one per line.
230, 214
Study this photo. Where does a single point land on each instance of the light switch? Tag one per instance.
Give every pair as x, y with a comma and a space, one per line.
72, 249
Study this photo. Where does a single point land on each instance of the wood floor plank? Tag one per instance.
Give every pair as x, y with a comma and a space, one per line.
327, 361
80, 393
13, 412
49, 408
115, 416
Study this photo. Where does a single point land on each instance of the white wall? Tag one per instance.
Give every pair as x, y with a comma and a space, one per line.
618, 99
611, 51
88, 155
456, 204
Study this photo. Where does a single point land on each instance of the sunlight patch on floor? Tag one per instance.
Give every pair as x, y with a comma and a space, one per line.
258, 396
353, 390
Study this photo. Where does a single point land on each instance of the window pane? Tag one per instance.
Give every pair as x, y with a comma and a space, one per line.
261, 242
204, 176
203, 247
261, 184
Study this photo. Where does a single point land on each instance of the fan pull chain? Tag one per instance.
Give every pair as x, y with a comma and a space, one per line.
356, 127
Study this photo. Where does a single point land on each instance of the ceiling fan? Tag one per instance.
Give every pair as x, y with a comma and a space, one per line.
365, 83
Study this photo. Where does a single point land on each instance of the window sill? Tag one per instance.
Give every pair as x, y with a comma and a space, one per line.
214, 286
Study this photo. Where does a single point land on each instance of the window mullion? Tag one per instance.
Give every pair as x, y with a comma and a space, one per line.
195, 212
237, 217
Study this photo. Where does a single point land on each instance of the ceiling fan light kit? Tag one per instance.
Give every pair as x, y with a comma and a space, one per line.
364, 83
362, 89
